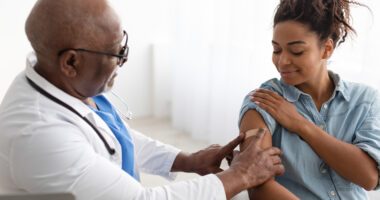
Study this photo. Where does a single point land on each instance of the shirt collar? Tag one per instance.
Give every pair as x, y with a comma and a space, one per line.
292, 93
340, 87
77, 104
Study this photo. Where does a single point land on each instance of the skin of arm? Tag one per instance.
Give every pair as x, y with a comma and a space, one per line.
348, 160
270, 189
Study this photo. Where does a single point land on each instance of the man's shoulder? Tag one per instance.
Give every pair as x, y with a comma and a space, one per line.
18, 96
21, 106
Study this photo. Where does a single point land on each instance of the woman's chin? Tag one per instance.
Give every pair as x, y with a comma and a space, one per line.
290, 81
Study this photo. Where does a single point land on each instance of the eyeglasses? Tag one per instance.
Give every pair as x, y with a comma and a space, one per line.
122, 57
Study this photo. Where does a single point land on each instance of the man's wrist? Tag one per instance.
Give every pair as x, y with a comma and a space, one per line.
189, 163
233, 182
182, 163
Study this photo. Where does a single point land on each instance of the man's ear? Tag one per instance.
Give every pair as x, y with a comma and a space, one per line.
69, 61
328, 48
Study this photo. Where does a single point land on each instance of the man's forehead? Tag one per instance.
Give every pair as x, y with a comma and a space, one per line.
111, 41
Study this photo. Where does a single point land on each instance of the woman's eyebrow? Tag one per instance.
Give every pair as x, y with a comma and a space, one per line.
296, 42
290, 43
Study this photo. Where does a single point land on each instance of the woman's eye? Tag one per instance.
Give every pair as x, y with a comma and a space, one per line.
297, 53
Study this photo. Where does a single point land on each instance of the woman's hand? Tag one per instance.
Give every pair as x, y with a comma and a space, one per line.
281, 110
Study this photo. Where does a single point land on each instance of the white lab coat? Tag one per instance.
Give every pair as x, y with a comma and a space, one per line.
46, 148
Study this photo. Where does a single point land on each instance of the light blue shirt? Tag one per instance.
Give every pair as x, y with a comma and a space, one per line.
352, 115
109, 115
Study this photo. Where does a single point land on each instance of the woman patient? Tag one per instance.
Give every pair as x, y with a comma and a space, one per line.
327, 128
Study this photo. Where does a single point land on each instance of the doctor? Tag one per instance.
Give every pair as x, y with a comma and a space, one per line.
60, 134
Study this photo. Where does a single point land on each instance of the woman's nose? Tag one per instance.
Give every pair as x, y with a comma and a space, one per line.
283, 59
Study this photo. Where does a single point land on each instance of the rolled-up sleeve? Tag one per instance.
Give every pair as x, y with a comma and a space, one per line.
249, 105
367, 137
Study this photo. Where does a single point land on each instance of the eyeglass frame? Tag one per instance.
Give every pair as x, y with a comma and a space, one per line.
122, 56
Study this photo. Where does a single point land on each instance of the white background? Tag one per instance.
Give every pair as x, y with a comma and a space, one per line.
194, 60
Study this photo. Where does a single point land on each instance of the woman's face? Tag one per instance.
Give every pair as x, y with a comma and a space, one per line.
297, 53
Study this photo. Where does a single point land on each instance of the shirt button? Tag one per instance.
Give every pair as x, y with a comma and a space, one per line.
323, 170
325, 106
332, 193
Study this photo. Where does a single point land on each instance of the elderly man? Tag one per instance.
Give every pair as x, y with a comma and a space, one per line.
60, 134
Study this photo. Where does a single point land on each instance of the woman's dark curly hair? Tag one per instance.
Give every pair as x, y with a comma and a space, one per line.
327, 18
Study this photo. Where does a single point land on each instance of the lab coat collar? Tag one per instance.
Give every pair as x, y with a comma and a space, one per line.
77, 104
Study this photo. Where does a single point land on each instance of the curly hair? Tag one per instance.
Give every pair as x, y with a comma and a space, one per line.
327, 18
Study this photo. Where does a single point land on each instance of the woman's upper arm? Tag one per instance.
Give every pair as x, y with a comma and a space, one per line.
253, 120
271, 189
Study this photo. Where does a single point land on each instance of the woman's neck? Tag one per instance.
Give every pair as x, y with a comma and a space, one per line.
320, 89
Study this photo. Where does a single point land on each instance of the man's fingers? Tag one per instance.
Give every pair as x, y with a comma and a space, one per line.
279, 170
235, 153
217, 171
273, 151
231, 156
214, 146
276, 160
228, 148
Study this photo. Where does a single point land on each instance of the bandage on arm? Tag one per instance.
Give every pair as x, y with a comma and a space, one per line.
251, 124
249, 134
253, 132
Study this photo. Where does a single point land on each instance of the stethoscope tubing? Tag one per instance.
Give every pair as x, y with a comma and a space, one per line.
58, 101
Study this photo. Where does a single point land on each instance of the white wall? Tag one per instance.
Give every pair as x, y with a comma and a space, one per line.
144, 79
152, 25
146, 21
14, 45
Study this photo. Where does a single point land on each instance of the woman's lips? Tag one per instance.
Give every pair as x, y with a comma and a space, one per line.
288, 73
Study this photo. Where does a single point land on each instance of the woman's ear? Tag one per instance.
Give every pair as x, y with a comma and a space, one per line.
69, 61
328, 48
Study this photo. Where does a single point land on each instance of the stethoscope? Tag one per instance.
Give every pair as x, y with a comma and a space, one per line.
127, 116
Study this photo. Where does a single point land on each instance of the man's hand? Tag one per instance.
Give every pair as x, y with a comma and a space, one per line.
251, 167
258, 165
248, 169
207, 160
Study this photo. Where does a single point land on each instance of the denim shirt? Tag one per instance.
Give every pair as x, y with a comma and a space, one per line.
352, 115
